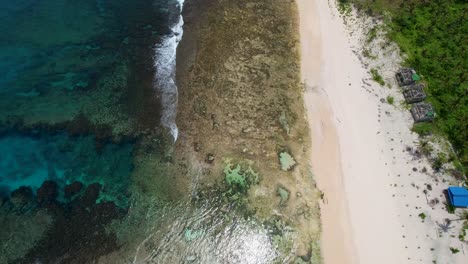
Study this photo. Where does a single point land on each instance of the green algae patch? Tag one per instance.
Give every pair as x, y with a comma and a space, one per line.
234, 176
287, 161
191, 235
239, 176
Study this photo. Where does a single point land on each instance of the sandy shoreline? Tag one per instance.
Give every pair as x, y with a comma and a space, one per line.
325, 147
370, 213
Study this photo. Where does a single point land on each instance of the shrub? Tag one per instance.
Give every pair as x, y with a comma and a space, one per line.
425, 147
371, 34
422, 215
390, 99
422, 129
377, 77
450, 208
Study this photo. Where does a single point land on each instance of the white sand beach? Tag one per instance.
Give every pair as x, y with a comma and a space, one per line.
373, 186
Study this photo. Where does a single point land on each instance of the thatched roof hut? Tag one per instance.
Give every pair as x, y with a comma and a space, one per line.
422, 112
407, 76
414, 93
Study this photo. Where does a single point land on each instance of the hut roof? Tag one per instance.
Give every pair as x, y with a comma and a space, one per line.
414, 93
422, 112
407, 76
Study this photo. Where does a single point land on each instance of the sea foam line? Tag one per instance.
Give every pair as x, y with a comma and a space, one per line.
165, 69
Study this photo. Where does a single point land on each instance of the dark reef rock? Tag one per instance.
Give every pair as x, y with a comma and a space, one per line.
106, 211
72, 189
80, 125
78, 233
22, 196
90, 195
47, 193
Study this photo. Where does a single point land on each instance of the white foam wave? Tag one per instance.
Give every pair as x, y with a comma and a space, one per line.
165, 67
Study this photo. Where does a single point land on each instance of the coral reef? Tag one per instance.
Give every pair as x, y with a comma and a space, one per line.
49, 229
20, 232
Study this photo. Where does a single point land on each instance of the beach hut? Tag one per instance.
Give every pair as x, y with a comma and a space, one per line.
422, 112
407, 76
458, 196
414, 93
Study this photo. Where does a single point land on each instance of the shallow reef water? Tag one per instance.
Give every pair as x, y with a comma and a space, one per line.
209, 234
58, 193
31, 160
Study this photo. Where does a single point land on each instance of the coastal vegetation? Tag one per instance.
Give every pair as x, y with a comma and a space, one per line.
390, 99
377, 77
422, 216
433, 36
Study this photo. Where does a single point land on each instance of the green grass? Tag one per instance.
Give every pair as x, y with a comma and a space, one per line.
377, 77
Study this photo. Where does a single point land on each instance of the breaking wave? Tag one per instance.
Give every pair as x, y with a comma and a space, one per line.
165, 68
